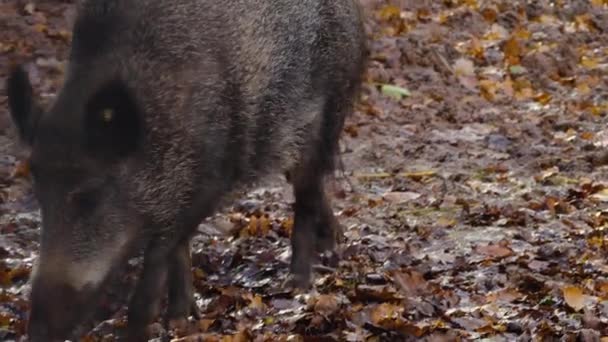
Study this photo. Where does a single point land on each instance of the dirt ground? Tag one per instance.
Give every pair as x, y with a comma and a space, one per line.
474, 197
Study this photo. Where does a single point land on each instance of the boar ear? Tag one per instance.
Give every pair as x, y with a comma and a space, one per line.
24, 111
113, 125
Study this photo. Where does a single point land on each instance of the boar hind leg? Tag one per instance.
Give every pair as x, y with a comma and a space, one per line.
145, 304
314, 224
309, 196
181, 288
327, 229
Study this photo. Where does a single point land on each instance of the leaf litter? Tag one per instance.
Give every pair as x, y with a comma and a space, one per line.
476, 200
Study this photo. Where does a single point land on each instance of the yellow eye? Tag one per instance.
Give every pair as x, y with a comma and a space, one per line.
107, 115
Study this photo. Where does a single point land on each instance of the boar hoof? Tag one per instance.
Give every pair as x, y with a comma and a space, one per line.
300, 276
195, 311
139, 333
179, 326
325, 244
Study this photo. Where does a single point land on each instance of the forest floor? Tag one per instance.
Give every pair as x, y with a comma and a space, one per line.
474, 199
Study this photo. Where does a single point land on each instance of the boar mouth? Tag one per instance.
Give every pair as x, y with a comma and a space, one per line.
57, 310
60, 311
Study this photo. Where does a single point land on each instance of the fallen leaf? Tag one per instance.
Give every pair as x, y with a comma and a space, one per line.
537, 265
574, 297
418, 176
326, 304
22, 169
463, 67
494, 250
512, 50
401, 196
394, 91
389, 12
385, 313
589, 62
489, 14
376, 292
601, 195
517, 69
411, 283
504, 296
471, 323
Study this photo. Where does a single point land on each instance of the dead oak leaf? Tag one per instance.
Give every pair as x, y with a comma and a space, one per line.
574, 297
411, 283
506, 295
386, 314
376, 293
326, 304
495, 250
22, 170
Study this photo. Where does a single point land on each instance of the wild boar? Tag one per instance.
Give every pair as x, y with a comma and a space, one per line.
166, 107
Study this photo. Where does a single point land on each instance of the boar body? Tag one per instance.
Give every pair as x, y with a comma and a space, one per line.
166, 107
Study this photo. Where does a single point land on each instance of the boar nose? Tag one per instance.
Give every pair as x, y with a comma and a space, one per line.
54, 310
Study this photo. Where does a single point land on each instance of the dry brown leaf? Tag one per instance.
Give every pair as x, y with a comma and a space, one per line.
411, 283
22, 169
522, 33
587, 135
538, 265
242, 336
602, 288
574, 297
198, 338
385, 314
464, 67
583, 88
326, 304
496, 33
489, 14
423, 14
204, 324
256, 302
488, 89
377, 292
494, 250
505, 295
389, 12
469, 82
513, 51
418, 176
589, 62
258, 226
601, 196
543, 98
447, 222
476, 49
401, 196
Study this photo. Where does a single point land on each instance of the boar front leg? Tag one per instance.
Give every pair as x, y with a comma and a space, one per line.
181, 288
145, 303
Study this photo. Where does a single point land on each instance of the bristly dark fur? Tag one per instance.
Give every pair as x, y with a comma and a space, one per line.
167, 106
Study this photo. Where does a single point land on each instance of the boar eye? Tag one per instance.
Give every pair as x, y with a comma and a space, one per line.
84, 200
112, 123
107, 115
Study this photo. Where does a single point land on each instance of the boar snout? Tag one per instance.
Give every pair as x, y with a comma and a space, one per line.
63, 292
56, 308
